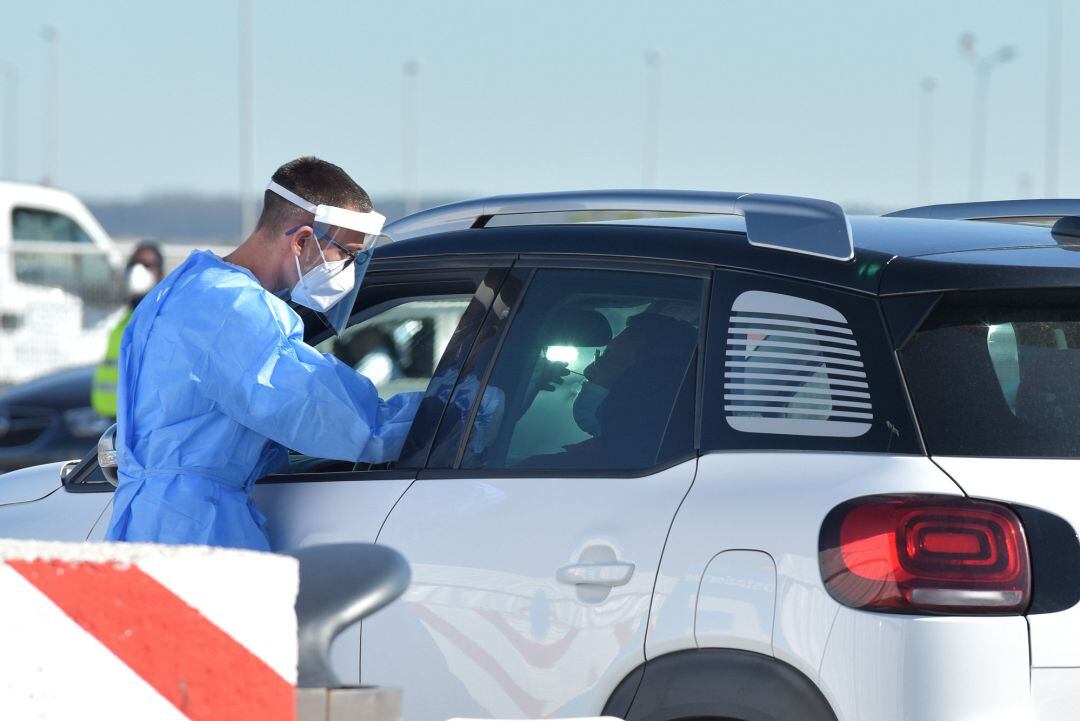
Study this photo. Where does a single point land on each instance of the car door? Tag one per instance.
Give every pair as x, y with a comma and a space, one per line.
536, 529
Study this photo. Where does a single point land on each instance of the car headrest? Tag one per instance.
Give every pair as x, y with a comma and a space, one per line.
579, 328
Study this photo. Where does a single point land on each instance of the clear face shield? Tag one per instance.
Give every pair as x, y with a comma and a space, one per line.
331, 285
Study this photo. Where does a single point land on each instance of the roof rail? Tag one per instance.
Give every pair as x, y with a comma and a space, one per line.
1001, 210
789, 223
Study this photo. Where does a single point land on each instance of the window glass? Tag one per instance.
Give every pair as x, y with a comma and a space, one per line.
33, 224
793, 366
83, 270
995, 376
590, 374
399, 348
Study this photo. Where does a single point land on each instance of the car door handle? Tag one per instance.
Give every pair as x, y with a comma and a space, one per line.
617, 573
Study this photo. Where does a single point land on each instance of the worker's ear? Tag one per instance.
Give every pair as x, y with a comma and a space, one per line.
299, 238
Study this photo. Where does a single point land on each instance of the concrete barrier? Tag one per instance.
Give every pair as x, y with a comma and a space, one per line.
131, 631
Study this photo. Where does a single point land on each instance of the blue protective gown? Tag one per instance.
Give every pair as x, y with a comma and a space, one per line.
215, 383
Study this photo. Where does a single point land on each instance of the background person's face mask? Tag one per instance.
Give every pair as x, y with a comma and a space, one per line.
138, 281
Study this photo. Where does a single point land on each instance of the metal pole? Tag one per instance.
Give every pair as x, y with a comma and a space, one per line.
978, 134
247, 118
926, 141
410, 155
651, 155
52, 139
1053, 100
1024, 184
11, 122
983, 67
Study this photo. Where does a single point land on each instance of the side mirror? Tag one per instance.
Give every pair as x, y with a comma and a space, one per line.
340, 584
106, 454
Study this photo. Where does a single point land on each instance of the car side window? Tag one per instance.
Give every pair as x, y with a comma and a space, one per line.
596, 372
409, 331
45, 225
399, 348
796, 366
53, 250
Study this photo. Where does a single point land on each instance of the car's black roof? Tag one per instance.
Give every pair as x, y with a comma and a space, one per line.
892, 255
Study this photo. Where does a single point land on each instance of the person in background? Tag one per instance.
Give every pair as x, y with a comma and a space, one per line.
145, 269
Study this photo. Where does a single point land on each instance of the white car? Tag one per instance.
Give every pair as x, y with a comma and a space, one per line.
789, 465
59, 285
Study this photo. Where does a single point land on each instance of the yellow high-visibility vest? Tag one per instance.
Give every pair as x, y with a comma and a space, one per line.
107, 374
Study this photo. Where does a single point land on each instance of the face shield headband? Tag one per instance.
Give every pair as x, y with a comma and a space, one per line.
341, 228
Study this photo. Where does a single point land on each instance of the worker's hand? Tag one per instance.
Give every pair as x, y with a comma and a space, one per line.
549, 374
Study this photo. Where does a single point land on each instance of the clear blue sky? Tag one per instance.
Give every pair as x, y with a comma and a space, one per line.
815, 98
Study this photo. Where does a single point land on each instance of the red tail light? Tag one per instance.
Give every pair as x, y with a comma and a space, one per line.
925, 554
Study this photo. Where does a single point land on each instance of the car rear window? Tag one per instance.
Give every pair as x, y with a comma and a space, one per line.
998, 375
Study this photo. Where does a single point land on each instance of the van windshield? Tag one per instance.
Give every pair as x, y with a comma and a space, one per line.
998, 375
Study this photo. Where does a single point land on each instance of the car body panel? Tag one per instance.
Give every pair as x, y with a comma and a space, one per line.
303, 513
736, 602
1049, 484
643, 243
1055, 693
55, 516
487, 629
772, 502
890, 667
29, 484
1007, 268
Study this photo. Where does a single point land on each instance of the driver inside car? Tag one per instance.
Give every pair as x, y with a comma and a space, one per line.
642, 365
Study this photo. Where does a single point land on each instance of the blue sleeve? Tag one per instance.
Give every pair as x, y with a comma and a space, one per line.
250, 359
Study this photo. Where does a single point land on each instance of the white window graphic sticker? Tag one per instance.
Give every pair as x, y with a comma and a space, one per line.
793, 367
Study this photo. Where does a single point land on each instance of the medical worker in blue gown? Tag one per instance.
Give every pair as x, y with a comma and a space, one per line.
216, 381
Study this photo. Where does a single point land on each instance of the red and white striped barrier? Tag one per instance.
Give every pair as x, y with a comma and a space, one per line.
147, 633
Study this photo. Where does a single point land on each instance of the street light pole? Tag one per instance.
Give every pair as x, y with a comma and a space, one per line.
246, 141
52, 139
651, 155
983, 66
410, 155
1053, 100
11, 122
926, 140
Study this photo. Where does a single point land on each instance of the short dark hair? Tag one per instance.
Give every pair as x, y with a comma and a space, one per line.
317, 182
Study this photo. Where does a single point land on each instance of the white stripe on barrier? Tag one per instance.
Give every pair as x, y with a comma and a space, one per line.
138, 631
64, 673
241, 615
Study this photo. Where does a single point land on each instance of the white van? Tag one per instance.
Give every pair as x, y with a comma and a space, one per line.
59, 282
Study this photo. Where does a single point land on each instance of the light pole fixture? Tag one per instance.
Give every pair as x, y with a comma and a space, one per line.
410, 155
651, 150
246, 115
11, 121
52, 113
1053, 99
983, 65
927, 87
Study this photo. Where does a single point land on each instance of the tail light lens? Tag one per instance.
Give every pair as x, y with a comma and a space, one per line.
925, 554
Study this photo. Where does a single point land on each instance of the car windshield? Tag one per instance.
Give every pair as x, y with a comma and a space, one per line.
998, 376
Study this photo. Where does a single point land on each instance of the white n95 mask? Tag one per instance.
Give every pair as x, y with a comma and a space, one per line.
139, 280
324, 285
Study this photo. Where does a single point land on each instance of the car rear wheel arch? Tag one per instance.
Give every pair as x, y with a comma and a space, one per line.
719, 685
